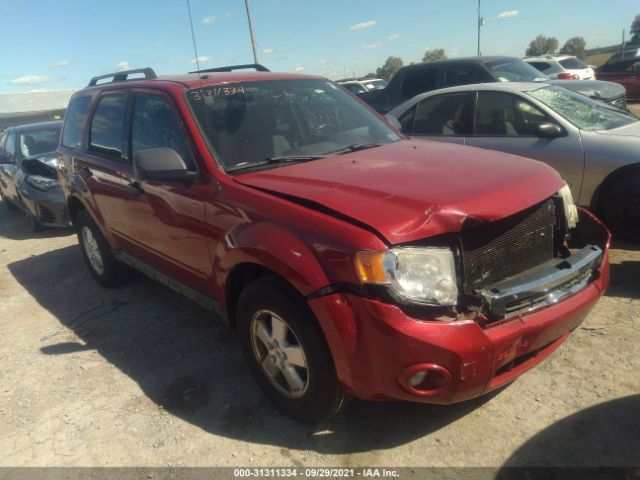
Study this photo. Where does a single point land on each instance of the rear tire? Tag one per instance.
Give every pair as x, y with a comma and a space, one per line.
97, 254
621, 207
287, 352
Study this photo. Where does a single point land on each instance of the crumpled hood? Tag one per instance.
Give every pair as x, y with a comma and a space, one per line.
413, 189
599, 89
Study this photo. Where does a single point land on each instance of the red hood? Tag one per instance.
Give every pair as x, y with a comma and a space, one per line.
414, 189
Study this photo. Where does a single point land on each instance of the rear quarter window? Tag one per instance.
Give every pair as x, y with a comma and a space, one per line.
74, 122
419, 81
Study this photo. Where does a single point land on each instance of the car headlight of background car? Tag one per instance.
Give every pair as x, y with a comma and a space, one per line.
419, 275
41, 183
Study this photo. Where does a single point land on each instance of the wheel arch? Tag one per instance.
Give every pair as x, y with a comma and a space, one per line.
608, 183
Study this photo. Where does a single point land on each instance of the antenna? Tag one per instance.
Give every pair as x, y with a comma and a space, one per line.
193, 36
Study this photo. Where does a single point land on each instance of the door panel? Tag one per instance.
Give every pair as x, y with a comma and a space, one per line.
163, 220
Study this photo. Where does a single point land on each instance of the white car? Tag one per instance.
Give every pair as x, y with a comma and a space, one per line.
562, 67
367, 85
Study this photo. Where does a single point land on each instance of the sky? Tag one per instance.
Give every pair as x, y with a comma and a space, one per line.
47, 45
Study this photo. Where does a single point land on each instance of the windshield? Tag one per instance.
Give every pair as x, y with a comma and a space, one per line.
37, 142
583, 112
573, 63
375, 84
253, 121
515, 70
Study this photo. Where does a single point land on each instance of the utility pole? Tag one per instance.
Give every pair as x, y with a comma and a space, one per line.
193, 37
480, 24
622, 52
253, 38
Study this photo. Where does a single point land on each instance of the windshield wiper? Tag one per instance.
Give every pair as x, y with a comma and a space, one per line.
355, 147
280, 159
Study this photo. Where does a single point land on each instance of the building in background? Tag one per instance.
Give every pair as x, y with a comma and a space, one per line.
30, 107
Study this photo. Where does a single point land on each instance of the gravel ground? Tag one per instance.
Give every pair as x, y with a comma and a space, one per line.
140, 376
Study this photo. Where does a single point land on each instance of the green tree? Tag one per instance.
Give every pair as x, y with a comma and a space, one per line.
575, 46
434, 55
635, 30
542, 45
391, 66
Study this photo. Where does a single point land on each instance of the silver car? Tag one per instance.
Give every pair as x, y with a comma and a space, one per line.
595, 148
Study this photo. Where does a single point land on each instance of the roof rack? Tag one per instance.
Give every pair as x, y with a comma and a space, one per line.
149, 74
230, 68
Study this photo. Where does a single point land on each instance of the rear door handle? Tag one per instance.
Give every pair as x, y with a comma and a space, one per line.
135, 189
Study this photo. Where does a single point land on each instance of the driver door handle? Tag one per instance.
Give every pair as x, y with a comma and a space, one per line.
135, 189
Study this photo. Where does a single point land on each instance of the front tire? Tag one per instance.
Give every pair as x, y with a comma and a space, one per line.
286, 351
34, 225
97, 254
621, 208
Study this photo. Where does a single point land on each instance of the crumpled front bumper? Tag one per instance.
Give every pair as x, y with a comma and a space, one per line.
373, 343
48, 207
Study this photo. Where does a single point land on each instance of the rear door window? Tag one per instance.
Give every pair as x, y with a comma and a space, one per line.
418, 81
441, 115
108, 133
155, 125
465, 75
74, 122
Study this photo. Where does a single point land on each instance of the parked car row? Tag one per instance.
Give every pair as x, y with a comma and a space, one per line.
352, 260
412, 80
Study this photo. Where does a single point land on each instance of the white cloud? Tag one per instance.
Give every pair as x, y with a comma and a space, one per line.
200, 59
394, 36
372, 45
324, 61
33, 80
268, 50
123, 65
509, 14
213, 18
61, 64
363, 25
299, 68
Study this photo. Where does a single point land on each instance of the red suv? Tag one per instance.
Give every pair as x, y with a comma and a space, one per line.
352, 261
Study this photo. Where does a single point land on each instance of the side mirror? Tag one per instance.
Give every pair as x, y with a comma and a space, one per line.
161, 164
548, 130
5, 158
393, 121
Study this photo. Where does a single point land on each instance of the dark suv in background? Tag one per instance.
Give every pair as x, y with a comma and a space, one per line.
412, 80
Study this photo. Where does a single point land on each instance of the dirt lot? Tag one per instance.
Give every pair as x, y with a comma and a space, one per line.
141, 376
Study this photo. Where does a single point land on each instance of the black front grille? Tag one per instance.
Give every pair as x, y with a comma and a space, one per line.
497, 250
46, 215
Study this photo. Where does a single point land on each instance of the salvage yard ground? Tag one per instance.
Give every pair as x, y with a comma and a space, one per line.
141, 376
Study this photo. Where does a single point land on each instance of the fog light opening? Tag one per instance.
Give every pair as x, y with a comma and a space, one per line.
425, 379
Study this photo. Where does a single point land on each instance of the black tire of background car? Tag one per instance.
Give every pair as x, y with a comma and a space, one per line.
621, 208
115, 273
34, 225
324, 397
